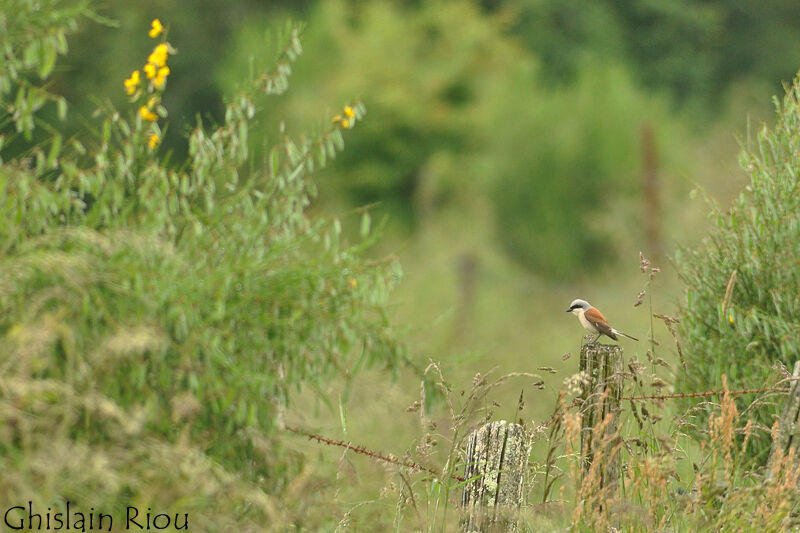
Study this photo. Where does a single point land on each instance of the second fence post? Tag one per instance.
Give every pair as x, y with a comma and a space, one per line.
602, 396
497, 459
789, 423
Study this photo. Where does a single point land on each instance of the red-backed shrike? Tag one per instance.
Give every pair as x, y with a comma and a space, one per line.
594, 321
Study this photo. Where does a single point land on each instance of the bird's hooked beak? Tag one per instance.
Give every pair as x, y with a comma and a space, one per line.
569, 310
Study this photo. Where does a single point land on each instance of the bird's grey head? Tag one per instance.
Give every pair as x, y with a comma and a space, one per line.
578, 304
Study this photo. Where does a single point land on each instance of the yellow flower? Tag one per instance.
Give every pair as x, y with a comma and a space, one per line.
161, 77
132, 83
345, 123
155, 29
153, 140
150, 71
349, 111
353, 282
147, 114
159, 55
730, 319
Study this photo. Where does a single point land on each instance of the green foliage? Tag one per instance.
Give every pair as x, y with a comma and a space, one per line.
33, 35
431, 73
428, 75
460, 113
565, 34
563, 157
740, 312
164, 314
686, 47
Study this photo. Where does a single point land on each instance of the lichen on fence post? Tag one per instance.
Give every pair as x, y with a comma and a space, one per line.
789, 424
496, 463
601, 397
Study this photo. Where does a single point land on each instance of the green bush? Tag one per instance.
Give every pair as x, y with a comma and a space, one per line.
739, 317
682, 47
428, 74
460, 114
156, 317
562, 158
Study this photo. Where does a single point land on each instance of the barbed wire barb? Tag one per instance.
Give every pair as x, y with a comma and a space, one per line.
408, 463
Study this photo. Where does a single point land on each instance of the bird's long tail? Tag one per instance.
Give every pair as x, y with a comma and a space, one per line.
625, 335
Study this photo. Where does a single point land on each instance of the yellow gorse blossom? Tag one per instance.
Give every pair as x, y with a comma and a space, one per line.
161, 77
147, 114
132, 83
346, 118
155, 29
159, 56
156, 68
156, 71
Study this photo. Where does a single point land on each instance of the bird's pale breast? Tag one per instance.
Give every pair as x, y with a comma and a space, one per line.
585, 323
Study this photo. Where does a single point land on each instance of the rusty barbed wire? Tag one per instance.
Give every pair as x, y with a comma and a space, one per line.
363, 450
705, 393
558, 414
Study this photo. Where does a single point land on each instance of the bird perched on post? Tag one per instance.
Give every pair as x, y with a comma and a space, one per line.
594, 321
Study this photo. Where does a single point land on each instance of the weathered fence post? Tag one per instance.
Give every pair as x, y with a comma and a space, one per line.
789, 423
650, 186
602, 394
467, 270
497, 458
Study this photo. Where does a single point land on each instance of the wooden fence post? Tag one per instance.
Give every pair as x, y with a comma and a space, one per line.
789, 423
602, 395
497, 458
650, 187
467, 270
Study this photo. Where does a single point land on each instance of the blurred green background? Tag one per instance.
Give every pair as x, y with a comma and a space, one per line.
521, 153
529, 115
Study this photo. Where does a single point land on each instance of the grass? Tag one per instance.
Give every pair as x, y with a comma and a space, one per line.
516, 324
668, 482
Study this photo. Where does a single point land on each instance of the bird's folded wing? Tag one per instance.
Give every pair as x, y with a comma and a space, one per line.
597, 319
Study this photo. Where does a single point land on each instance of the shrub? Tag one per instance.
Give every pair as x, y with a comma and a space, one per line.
739, 315
461, 114
561, 159
156, 317
428, 102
